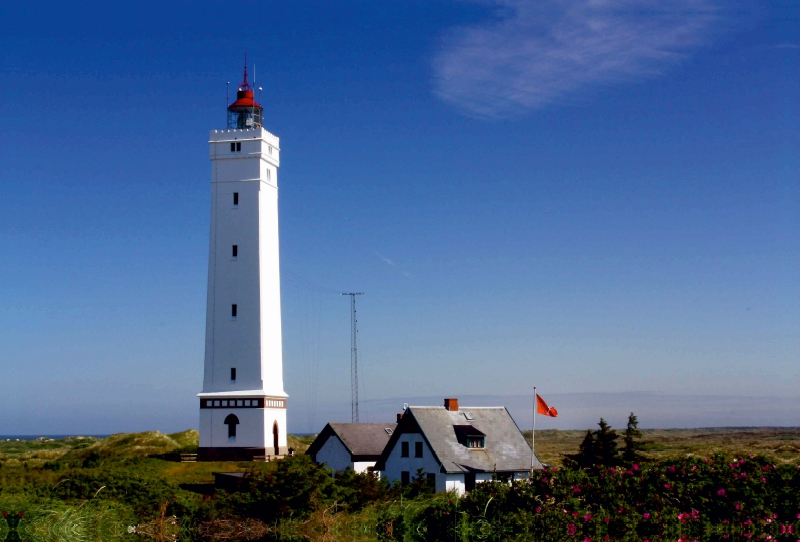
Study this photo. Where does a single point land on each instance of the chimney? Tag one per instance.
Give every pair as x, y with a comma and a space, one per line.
399, 415
451, 404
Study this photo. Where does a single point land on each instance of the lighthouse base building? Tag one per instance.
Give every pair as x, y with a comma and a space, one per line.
243, 405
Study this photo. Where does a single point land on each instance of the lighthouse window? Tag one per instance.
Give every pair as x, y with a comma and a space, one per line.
236, 147
235, 252
233, 374
235, 199
233, 311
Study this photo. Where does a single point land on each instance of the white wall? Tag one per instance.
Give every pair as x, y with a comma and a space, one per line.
362, 466
334, 454
396, 464
254, 429
251, 342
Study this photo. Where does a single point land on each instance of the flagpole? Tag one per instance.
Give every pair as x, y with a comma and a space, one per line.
533, 431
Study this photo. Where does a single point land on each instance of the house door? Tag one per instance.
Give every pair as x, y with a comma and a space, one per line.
275, 438
469, 481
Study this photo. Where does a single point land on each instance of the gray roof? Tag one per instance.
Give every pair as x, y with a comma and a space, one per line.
363, 440
505, 447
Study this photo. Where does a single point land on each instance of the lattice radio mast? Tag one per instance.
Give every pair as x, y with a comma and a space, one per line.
353, 356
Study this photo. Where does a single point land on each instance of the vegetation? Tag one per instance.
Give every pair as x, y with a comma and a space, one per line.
612, 485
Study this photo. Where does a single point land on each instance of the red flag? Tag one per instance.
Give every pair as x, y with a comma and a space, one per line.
542, 408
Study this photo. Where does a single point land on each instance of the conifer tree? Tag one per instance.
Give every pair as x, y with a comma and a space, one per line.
631, 451
605, 446
586, 456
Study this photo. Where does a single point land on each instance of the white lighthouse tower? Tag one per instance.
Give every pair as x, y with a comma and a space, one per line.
243, 405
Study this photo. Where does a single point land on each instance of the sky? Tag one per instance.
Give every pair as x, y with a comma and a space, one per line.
599, 198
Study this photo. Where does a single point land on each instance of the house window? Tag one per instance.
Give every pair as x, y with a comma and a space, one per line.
475, 442
405, 477
235, 199
417, 449
431, 477
233, 147
404, 449
233, 374
239, 146
233, 310
235, 252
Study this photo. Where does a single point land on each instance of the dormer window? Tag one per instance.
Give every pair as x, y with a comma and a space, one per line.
470, 437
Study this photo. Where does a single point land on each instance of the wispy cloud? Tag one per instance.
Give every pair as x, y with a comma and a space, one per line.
384, 258
544, 51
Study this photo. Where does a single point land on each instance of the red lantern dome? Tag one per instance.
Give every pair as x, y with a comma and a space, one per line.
245, 112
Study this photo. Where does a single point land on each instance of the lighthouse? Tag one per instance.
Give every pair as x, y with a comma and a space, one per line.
243, 405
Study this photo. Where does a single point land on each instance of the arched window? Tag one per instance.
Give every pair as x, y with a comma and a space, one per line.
275, 438
231, 421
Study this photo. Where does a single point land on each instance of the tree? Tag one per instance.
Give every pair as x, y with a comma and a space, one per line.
586, 456
631, 451
605, 447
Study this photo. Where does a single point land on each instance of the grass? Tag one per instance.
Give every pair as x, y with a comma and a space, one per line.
780, 444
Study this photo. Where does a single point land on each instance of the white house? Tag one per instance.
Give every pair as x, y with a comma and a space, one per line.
354, 445
457, 448
243, 404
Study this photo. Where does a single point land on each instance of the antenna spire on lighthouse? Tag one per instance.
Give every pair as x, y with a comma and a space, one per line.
245, 85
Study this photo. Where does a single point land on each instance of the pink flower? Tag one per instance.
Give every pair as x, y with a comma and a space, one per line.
763, 480
538, 509
587, 517
587, 539
571, 529
667, 486
646, 515
694, 467
738, 506
612, 470
576, 489
609, 519
671, 468
721, 492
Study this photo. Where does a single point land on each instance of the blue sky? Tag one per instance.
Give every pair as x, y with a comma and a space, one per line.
596, 197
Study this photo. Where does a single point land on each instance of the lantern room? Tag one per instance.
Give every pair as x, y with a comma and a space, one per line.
245, 112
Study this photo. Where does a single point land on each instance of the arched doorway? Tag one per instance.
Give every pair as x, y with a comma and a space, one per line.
275, 438
231, 421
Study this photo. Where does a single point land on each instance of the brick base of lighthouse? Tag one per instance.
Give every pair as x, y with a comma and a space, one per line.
240, 454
